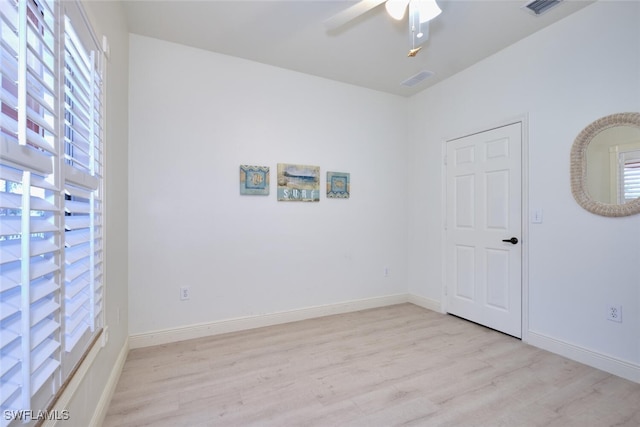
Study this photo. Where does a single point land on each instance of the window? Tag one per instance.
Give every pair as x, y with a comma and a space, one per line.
51, 256
630, 176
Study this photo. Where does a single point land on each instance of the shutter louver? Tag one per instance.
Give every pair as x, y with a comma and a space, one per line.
83, 251
40, 77
10, 294
9, 22
30, 314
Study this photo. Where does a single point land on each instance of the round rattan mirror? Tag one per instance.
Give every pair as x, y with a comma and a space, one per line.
615, 139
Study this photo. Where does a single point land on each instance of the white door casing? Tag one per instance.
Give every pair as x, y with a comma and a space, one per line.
483, 209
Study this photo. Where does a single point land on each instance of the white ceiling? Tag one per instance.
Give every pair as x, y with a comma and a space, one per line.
370, 51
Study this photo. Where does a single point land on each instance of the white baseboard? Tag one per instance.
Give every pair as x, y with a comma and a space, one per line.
250, 322
609, 364
427, 303
105, 399
600, 361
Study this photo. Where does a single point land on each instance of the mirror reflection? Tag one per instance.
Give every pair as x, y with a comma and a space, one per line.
605, 166
613, 165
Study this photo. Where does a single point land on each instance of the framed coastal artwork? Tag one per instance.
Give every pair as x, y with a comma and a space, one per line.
338, 186
298, 183
254, 180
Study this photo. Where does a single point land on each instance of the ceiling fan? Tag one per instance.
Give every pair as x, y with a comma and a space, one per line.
420, 13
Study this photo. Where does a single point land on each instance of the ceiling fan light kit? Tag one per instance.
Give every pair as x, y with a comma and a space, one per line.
396, 8
420, 13
425, 9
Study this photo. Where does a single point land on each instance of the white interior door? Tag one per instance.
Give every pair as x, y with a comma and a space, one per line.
483, 228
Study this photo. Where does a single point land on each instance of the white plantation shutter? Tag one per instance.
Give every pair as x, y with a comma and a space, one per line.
30, 291
630, 180
51, 286
30, 235
83, 205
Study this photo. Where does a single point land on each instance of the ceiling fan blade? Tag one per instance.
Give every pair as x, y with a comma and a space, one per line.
351, 13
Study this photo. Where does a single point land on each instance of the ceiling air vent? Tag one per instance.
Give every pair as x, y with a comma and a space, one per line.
414, 80
538, 7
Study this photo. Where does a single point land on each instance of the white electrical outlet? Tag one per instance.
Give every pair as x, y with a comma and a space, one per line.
185, 293
614, 313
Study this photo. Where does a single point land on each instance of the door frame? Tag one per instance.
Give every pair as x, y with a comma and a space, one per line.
523, 119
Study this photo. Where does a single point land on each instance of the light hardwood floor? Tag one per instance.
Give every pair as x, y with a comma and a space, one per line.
397, 365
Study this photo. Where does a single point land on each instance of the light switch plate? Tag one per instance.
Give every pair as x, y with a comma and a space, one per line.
536, 216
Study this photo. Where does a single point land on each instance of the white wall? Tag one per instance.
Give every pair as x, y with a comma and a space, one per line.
87, 397
195, 117
564, 77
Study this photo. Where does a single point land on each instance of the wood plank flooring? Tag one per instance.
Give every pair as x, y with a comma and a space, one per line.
391, 366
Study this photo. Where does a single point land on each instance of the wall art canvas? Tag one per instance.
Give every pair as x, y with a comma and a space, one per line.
254, 180
298, 183
338, 186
